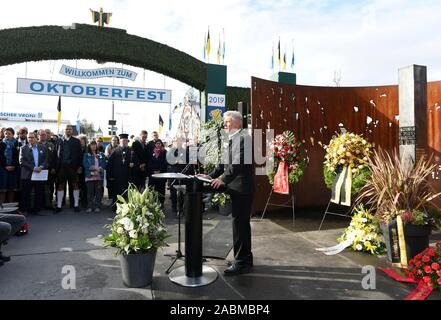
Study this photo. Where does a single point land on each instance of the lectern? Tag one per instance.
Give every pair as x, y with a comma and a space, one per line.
193, 273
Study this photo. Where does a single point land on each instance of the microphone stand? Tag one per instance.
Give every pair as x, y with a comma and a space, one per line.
178, 252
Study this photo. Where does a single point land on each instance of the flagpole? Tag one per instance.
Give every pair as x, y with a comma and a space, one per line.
58, 114
272, 58
113, 109
223, 46
284, 59
219, 50
292, 57
279, 62
208, 45
205, 47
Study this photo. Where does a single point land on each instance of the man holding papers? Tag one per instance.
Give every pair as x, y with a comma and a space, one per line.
34, 164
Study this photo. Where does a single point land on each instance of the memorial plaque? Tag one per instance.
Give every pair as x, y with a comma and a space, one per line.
407, 136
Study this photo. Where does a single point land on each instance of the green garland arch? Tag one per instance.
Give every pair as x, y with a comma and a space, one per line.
83, 41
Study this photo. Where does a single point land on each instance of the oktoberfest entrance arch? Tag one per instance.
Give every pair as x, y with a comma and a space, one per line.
82, 41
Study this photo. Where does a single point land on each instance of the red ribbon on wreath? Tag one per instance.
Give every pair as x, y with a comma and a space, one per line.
421, 292
281, 184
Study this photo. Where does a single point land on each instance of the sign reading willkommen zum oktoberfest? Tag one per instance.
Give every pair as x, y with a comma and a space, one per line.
98, 73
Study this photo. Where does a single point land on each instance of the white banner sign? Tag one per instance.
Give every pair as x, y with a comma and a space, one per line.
22, 115
98, 73
216, 100
93, 91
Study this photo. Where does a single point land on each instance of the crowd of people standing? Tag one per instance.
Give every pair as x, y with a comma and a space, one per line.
37, 168
34, 162
83, 167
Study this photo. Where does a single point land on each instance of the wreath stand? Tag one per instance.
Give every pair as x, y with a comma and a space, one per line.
284, 205
346, 215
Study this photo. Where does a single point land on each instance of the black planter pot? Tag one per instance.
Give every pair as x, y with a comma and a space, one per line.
226, 209
416, 237
390, 238
137, 269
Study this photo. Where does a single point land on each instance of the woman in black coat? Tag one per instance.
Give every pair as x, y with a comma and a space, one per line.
9, 167
158, 164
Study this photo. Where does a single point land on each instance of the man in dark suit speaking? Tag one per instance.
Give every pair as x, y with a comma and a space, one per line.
235, 174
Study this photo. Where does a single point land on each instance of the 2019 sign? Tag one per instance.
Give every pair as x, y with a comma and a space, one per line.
216, 100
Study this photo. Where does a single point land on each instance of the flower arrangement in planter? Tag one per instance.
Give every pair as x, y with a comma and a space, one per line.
426, 266
398, 189
211, 144
287, 150
365, 232
347, 149
212, 133
137, 231
223, 200
139, 223
220, 199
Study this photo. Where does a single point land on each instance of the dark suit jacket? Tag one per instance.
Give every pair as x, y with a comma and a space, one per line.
158, 164
27, 160
20, 144
75, 152
140, 150
50, 146
237, 175
119, 171
15, 154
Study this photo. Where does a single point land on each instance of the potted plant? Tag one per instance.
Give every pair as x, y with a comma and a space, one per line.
211, 142
212, 147
398, 189
137, 231
222, 200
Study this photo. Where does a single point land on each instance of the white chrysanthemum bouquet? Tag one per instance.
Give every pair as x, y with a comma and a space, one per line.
139, 223
364, 232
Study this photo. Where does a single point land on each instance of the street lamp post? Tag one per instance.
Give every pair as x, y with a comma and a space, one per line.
122, 114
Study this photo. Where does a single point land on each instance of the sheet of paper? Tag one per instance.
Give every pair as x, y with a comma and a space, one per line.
8, 209
203, 179
10, 204
40, 176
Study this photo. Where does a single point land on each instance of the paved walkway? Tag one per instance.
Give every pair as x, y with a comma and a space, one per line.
286, 265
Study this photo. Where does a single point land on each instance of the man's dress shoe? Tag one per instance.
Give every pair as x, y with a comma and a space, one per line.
236, 269
4, 258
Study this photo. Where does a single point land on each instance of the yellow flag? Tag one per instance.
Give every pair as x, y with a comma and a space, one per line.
208, 44
278, 54
59, 111
284, 61
219, 52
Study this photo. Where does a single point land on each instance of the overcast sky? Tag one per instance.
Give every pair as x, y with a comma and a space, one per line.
367, 41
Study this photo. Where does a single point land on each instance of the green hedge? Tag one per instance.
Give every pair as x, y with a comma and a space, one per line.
235, 95
103, 44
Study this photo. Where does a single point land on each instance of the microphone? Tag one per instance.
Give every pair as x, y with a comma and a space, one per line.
182, 172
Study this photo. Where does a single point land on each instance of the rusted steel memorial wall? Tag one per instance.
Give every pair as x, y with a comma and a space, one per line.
315, 114
434, 130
